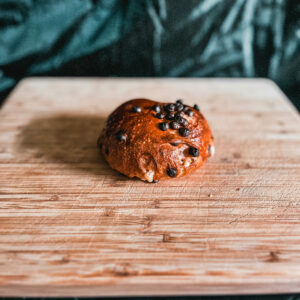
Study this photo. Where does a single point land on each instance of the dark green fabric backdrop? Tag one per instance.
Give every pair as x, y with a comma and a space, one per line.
189, 38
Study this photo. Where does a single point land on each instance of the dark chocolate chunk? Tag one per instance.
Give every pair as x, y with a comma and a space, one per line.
170, 116
174, 125
100, 145
120, 136
179, 107
194, 151
189, 112
185, 108
184, 122
169, 107
181, 120
156, 108
163, 126
179, 101
178, 118
184, 132
136, 109
196, 107
106, 151
159, 116
180, 113
172, 172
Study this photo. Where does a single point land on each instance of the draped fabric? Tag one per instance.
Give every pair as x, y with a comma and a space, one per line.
168, 38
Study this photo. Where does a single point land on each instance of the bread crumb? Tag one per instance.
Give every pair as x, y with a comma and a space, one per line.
149, 175
211, 150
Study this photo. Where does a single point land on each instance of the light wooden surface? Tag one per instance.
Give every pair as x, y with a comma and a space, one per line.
71, 226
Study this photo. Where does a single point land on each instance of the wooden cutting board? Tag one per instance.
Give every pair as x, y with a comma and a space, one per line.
71, 226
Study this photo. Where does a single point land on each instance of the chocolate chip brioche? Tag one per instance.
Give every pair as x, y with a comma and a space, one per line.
154, 141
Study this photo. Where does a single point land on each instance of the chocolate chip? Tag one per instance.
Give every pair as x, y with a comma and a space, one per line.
120, 136
136, 109
185, 108
156, 108
170, 116
172, 172
169, 107
163, 126
196, 107
179, 107
184, 132
175, 144
106, 151
174, 125
194, 151
184, 122
180, 113
181, 120
179, 101
178, 118
189, 112
159, 116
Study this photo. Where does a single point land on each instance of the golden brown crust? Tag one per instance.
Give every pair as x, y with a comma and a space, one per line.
133, 144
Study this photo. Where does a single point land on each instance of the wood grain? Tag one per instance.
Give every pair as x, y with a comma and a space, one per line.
71, 226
